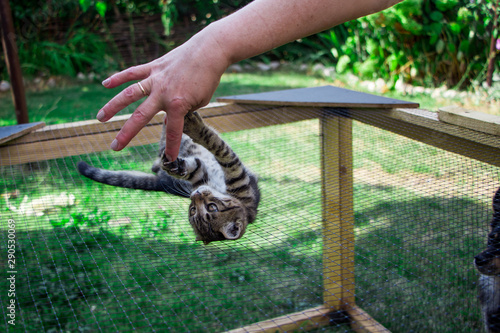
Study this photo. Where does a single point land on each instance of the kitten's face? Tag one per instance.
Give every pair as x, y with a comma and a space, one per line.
215, 216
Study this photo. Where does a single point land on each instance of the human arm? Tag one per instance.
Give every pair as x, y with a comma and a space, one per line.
185, 79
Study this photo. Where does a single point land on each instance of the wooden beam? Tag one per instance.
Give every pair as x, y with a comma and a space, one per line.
346, 187
88, 127
330, 190
71, 146
261, 118
57, 141
424, 126
303, 320
478, 121
80, 128
315, 318
12, 61
362, 322
338, 215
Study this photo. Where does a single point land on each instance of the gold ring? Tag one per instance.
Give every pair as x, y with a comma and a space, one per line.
142, 89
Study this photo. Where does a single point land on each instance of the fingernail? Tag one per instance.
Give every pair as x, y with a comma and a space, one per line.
115, 145
168, 157
100, 115
106, 82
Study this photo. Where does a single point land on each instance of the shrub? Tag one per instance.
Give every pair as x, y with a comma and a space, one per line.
82, 52
427, 42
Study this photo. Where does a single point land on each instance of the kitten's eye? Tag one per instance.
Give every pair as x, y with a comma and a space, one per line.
212, 207
192, 211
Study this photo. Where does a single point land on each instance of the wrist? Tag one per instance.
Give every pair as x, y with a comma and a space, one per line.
209, 46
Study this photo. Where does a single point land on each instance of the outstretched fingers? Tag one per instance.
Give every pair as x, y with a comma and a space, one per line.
140, 118
139, 72
126, 97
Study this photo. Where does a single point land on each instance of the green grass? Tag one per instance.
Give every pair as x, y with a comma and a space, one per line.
421, 214
163, 268
74, 101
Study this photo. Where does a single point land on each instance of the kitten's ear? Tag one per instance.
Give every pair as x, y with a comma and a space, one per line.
232, 230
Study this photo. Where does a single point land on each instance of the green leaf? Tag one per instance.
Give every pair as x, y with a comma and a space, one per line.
444, 5
371, 46
369, 67
85, 4
452, 48
411, 25
464, 46
392, 61
436, 16
343, 63
334, 52
435, 28
101, 8
455, 28
433, 39
464, 14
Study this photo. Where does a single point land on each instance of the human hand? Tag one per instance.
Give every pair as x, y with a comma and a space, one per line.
185, 79
182, 80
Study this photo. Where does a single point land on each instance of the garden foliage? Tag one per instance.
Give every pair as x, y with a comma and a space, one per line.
428, 42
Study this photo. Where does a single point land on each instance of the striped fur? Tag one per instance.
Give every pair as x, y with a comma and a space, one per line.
224, 193
221, 205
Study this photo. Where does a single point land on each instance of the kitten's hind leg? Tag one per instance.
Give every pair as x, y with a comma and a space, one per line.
194, 125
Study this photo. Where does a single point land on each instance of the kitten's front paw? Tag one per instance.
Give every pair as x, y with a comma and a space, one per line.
193, 123
176, 168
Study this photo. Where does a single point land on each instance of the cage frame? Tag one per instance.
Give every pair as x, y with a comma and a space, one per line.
70, 139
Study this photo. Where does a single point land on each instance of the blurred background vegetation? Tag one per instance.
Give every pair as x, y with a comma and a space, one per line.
423, 42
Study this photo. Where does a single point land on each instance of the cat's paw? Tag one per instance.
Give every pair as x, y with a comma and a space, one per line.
176, 168
193, 124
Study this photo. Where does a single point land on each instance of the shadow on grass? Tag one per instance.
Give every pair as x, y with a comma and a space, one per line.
72, 279
413, 251
414, 261
413, 268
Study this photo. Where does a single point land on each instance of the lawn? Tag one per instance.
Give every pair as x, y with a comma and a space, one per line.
119, 259
74, 101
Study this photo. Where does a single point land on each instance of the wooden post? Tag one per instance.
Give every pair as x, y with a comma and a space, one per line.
338, 215
338, 222
12, 60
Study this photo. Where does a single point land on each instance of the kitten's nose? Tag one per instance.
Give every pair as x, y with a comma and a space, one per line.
196, 195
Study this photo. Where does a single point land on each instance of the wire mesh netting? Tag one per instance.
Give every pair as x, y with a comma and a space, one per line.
91, 257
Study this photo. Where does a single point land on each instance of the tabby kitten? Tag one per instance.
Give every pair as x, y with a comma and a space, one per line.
488, 264
224, 193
